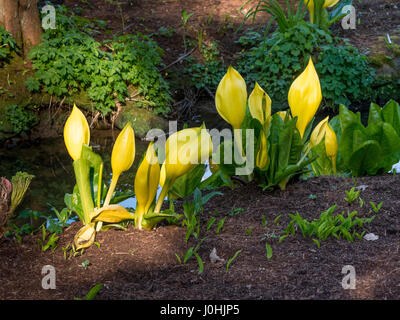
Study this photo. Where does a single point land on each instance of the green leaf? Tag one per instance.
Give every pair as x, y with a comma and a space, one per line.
269, 251
232, 259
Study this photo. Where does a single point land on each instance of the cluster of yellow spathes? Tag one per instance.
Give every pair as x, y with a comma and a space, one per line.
184, 149
304, 99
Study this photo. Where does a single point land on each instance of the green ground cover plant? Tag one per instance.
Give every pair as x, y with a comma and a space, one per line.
69, 61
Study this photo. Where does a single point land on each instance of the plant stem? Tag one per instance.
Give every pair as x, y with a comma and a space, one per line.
83, 183
111, 189
99, 186
163, 194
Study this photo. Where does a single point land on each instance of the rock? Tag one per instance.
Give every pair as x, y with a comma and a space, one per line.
214, 257
371, 237
142, 120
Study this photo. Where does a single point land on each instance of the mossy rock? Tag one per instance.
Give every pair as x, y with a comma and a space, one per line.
386, 57
142, 120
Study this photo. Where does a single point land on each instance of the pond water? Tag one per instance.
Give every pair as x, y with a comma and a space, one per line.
52, 166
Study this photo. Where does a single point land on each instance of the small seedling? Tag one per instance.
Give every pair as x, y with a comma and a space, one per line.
200, 263
232, 259
269, 251
375, 208
352, 195
277, 218
361, 202
51, 241
249, 230
220, 225
313, 196
92, 293
264, 221
85, 264
210, 223
234, 211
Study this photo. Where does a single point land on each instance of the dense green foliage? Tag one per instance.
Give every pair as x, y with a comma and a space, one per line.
7, 46
345, 75
372, 149
275, 61
328, 225
21, 119
69, 61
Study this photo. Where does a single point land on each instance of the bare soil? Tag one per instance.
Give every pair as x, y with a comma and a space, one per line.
143, 264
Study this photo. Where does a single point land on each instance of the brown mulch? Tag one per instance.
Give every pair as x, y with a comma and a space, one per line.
143, 265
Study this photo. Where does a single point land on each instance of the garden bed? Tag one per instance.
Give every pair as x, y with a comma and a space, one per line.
143, 264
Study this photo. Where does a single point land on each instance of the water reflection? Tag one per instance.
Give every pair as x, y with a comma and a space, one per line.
52, 166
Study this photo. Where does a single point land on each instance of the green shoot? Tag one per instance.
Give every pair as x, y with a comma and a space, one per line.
232, 259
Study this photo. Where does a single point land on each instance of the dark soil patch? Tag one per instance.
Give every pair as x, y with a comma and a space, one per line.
143, 265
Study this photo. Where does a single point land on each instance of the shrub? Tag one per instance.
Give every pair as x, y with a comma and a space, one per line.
7, 46
20, 118
345, 75
69, 61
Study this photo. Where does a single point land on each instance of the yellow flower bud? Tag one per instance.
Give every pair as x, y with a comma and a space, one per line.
123, 153
146, 184
231, 97
331, 145
318, 133
305, 97
122, 157
184, 150
260, 105
76, 133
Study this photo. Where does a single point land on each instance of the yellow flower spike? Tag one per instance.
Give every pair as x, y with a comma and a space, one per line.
327, 4
305, 97
231, 97
122, 157
260, 109
146, 183
184, 150
262, 159
331, 145
282, 114
76, 133
318, 133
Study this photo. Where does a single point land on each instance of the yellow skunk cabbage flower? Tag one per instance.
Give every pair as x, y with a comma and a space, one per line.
146, 183
260, 105
112, 213
184, 150
331, 145
260, 109
84, 238
327, 4
231, 97
76, 133
262, 159
283, 114
318, 133
305, 97
323, 129
122, 157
